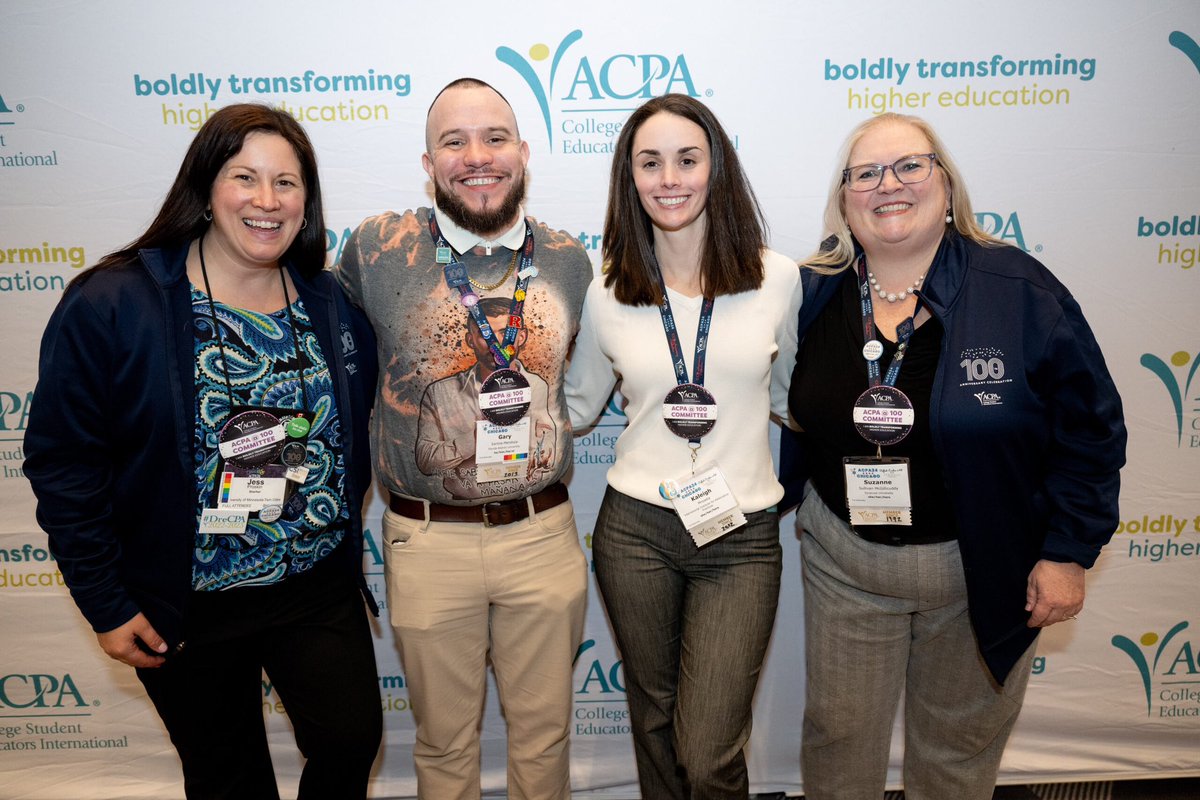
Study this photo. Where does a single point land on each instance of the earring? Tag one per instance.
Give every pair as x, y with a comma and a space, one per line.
304, 223
949, 217
208, 215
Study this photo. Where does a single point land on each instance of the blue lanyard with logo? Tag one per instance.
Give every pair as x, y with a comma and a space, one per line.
883, 414
689, 408
456, 278
872, 347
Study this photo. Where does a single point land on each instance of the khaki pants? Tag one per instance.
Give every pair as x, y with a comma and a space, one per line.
461, 594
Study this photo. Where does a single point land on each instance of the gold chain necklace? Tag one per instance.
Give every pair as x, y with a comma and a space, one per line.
512, 265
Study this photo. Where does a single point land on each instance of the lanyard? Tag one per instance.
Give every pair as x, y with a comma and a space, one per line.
212, 308
456, 278
668, 322
672, 333
904, 332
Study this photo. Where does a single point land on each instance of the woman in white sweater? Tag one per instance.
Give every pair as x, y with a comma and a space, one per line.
697, 320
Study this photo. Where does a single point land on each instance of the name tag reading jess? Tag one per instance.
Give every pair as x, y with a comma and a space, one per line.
252, 488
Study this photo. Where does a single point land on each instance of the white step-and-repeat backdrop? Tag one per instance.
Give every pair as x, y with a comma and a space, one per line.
1077, 125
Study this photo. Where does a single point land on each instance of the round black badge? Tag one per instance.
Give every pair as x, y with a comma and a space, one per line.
505, 397
883, 415
294, 454
251, 438
690, 411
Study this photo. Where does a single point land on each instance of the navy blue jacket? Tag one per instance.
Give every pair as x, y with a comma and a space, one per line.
109, 445
1026, 423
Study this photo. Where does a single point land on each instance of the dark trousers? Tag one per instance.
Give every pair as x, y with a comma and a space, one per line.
310, 634
692, 625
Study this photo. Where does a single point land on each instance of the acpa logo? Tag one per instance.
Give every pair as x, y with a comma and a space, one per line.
40, 691
599, 676
1165, 663
597, 81
14, 410
1186, 45
1005, 228
1177, 380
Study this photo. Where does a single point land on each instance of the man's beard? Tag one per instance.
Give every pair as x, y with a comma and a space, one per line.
488, 221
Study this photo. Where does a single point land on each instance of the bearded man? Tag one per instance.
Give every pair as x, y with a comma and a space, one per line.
487, 566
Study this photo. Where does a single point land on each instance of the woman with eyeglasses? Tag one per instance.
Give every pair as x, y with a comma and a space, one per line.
962, 438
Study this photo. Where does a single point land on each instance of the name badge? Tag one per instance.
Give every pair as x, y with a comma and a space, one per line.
501, 451
690, 411
252, 437
252, 488
877, 491
505, 397
705, 504
883, 415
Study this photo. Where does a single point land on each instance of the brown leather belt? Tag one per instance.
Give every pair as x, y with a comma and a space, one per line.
503, 512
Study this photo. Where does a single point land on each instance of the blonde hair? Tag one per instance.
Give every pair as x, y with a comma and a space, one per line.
837, 251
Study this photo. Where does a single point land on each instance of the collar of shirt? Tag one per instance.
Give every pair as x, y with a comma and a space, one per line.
463, 240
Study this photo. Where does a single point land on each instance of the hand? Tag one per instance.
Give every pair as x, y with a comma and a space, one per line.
122, 643
1053, 593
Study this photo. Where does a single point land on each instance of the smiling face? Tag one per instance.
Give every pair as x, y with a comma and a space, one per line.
257, 202
476, 159
896, 218
671, 164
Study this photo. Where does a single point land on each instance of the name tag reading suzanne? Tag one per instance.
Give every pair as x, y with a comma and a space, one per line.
877, 491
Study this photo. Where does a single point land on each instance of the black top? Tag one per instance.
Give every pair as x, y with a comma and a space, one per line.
831, 374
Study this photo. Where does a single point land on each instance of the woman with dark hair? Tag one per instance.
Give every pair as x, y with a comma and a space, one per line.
963, 441
196, 448
686, 544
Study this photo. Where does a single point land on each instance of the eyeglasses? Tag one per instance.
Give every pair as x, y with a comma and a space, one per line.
910, 169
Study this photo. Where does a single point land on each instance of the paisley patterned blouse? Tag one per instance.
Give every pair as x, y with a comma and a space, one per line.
264, 370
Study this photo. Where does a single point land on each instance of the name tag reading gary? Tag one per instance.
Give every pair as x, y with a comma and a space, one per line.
501, 451
705, 504
877, 491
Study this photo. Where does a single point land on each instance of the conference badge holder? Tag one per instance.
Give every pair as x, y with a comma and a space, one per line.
878, 490
502, 438
705, 504
262, 453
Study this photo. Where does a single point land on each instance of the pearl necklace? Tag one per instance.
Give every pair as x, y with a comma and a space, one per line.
892, 297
